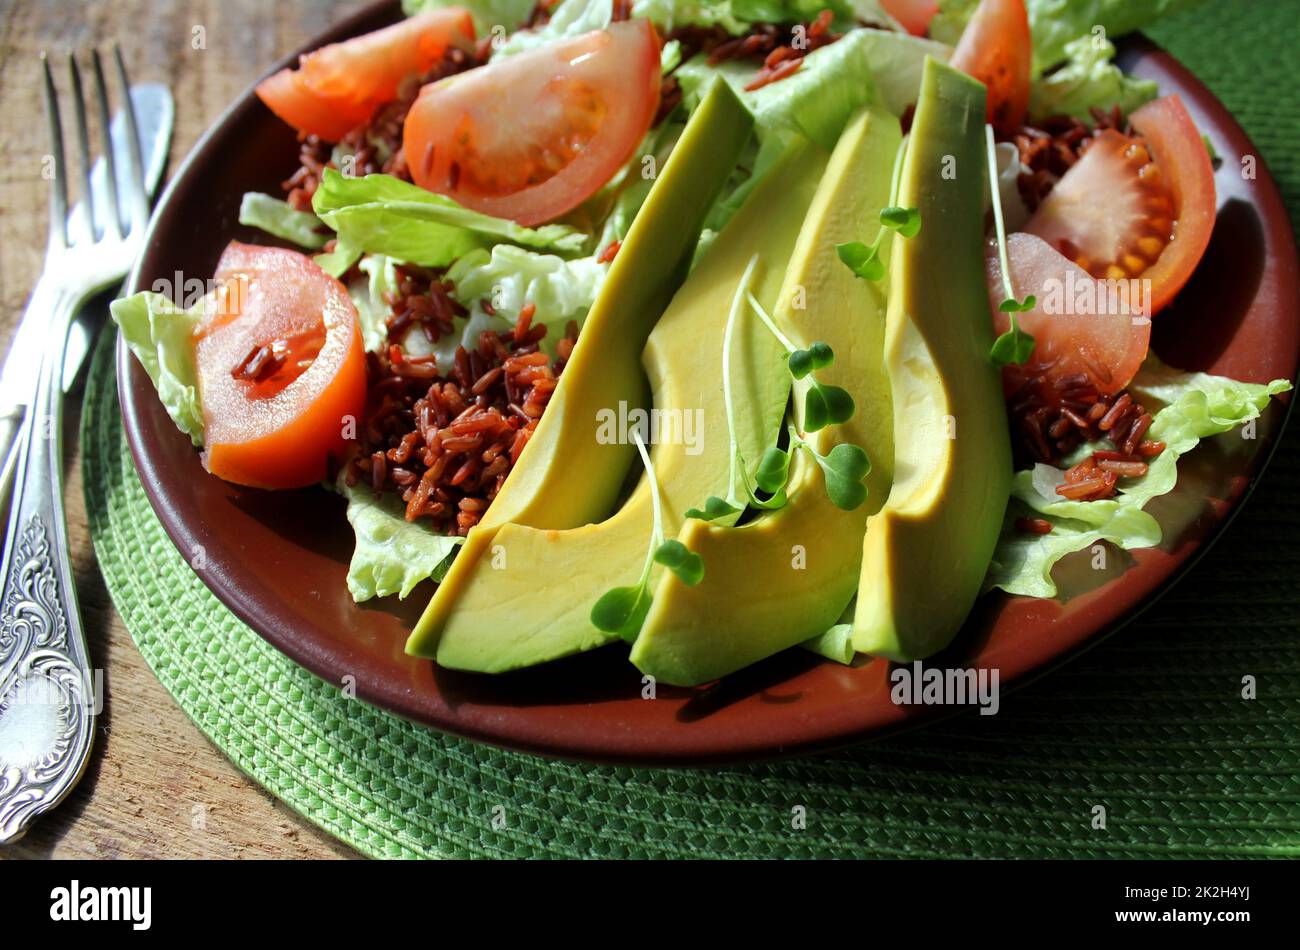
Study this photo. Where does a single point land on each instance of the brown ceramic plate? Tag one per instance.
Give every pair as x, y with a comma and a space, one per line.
279, 560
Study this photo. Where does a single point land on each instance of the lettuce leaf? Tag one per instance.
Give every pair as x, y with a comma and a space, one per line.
631, 186
1088, 78
816, 102
1054, 23
392, 555
161, 335
380, 214
282, 220
835, 644
1195, 406
379, 277
487, 14
866, 65
508, 278
575, 17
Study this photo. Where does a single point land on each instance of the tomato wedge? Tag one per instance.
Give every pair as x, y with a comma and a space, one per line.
532, 136
913, 15
1080, 325
339, 87
1136, 207
1178, 149
281, 369
996, 48
1111, 213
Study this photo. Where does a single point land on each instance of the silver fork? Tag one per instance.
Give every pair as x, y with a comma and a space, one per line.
49, 696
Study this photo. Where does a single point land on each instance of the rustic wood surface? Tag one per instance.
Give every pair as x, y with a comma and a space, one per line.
155, 787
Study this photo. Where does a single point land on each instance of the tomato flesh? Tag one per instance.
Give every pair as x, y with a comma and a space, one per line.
1111, 213
913, 15
532, 136
281, 369
339, 87
1178, 149
996, 48
1079, 324
1136, 207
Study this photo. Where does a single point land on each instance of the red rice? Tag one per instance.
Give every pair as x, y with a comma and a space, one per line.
445, 439
1050, 419
381, 136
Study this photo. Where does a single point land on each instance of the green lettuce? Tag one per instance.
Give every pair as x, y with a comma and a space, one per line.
836, 643
1088, 79
161, 336
487, 14
282, 220
816, 101
379, 276
631, 186
392, 555
1195, 406
380, 214
508, 278
1054, 23
575, 17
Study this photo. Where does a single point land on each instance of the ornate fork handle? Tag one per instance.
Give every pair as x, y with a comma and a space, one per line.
47, 694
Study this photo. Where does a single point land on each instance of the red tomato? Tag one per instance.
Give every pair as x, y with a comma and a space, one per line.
1077, 325
996, 49
281, 369
1178, 149
1131, 207
532, 136
914, 15
339, 87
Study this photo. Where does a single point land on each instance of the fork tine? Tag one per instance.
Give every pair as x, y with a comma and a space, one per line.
106, 140
58, 183
83, 142
139, 200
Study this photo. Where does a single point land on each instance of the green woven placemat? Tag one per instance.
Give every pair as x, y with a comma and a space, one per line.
1150, 725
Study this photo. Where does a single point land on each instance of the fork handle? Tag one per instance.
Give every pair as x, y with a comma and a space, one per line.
47, 700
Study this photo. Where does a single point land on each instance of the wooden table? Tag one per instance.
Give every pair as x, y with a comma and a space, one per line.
151, 771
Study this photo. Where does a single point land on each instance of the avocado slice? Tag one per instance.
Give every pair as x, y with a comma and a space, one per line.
926, 552
566, 475
499, 622
788, 575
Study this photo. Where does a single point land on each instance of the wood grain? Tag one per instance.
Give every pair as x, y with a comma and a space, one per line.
155, 787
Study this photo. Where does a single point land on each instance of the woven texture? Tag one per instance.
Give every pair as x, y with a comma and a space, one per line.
1149, 725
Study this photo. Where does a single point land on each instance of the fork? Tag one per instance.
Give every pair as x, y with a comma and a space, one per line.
48, 695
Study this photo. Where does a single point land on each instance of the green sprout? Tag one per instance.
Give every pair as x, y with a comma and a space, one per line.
844, 467
864, 259
1014, 346
823, 404
622, 610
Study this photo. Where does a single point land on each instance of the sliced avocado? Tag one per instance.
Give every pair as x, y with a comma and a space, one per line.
566, 476
926, 552
787, 575
499, 621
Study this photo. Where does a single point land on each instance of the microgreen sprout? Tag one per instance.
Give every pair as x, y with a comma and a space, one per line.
864, 259
843, 469
1014, 346
823, 403
622, 610
715, 507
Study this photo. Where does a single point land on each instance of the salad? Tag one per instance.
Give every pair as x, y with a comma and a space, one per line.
710, 328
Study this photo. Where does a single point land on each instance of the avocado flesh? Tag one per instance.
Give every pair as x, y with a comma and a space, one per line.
926, 552
530, 600
788, 575
565, 476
